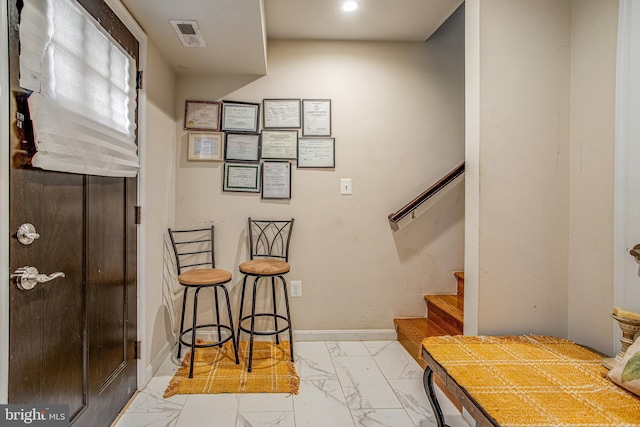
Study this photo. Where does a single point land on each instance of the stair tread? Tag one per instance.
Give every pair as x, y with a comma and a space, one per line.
453, 300
418, 328
453, 305
459, 275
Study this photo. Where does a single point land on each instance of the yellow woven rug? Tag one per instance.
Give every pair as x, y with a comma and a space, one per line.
215, 371
536, 381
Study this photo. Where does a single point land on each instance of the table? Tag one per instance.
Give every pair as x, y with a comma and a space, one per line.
526, 381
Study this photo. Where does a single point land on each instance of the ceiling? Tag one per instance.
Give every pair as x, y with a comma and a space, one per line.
236, 31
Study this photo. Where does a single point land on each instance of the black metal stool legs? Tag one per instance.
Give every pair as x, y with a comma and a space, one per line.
184, 305
193, 331
253, 322
286, 304
217, 306
240, 318
219, 327
274, 314
231, 328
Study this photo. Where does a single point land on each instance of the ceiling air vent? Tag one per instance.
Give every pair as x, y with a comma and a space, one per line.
189, 33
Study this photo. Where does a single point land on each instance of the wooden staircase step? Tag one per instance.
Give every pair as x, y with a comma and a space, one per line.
459, 275
447, 311
445, 316
411, 332
452, 304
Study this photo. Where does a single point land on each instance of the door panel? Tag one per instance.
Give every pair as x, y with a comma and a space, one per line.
71, 339
106, 272
49, 319
62, 299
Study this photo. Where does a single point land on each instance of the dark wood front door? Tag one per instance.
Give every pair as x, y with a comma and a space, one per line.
72, 339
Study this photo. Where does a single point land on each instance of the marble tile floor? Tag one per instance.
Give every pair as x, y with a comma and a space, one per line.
343, 384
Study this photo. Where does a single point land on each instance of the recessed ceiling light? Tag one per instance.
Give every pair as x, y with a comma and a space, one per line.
349, 6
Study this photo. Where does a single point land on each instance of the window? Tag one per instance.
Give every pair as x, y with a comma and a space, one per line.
83, 84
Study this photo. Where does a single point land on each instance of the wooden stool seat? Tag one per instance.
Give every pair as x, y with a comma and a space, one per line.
204, 276
264, 267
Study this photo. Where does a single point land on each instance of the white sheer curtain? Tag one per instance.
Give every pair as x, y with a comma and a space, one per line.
84, 96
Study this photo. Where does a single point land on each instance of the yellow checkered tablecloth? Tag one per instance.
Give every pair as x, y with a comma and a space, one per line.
540, 381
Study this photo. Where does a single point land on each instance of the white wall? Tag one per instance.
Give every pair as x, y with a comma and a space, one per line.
472, 167
397, 116
593, 76
520, 164
158, 207
627, 158
540, 148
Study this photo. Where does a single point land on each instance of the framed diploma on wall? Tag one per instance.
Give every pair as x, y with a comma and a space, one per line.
202, 115
281, 114
279, 144
205, 146
316, 117
316, 153
243, 147
240, 116
241, 177
276, 180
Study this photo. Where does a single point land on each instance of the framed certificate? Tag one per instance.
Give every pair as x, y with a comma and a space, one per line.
242, 177
281, 114
205, 146
276, 180
316, 117
240, 116
202, 115
244, 147
279, 144
316, 153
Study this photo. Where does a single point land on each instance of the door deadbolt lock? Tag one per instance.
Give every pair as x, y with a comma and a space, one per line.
26, 234
28, 277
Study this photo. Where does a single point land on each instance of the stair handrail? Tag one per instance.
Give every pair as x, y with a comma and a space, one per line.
395, 217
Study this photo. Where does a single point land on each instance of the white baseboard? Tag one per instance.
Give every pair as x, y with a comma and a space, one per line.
156, 362
346, 335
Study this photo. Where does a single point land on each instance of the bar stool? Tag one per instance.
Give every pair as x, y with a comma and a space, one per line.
269, 258
195, 259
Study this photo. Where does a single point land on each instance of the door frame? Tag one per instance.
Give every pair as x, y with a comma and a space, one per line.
123, 14
5, 234
4, 204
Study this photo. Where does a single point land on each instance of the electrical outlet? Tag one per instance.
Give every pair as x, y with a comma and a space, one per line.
296, 288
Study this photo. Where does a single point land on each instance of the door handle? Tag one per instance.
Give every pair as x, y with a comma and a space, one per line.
26, 234
28, 277
635, 252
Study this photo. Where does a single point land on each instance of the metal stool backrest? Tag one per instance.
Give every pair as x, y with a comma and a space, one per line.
193, 248
270, 238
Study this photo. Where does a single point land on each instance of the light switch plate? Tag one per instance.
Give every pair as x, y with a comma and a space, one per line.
345, 186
